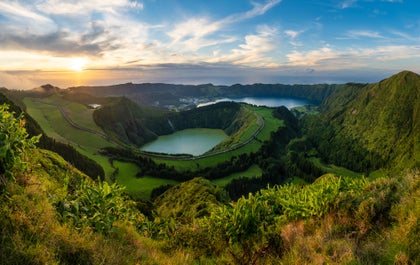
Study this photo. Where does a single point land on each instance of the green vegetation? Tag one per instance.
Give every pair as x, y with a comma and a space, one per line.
83, 163
51, 213
340, 171
13, 143
190, 200
252, 171
138, 188
97, 206
46, 112
373, 126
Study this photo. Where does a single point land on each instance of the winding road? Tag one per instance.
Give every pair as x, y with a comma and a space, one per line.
71, 122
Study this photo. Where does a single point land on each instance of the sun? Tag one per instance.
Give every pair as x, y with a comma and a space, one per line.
77, 64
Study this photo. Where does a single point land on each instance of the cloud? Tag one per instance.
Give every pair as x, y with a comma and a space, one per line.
21, 18
364, 33
195, 33
255, 50
15, 11
54, 43
12, 81
327, 57
257, 10
96, 28
29, 60
192, 32
347, 3
80, 7
313, 57
109, 32
293, 34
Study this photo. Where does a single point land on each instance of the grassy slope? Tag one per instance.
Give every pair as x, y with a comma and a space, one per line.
31, 232
378, 225
54, 125
188, 200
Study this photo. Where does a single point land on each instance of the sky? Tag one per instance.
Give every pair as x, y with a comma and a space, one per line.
224, 42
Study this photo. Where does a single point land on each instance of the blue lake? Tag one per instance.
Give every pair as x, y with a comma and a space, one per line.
190, 141
264, 101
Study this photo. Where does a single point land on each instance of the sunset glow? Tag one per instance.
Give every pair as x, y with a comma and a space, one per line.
77, 64
189, 41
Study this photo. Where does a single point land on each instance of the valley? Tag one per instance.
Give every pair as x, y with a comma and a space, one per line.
68, 118
276, 179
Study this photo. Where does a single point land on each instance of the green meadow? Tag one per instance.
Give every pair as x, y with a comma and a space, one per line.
54, 125
252, 171
339, 171
139, 188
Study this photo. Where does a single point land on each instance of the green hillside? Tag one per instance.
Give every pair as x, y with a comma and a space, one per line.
372, 126
191, 199
385, 118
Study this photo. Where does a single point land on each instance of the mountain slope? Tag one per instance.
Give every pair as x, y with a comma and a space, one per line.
383, 118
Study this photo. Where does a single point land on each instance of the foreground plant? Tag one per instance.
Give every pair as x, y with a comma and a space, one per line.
14, 143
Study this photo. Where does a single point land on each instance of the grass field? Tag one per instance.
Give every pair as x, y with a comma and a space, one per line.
252, 171
54, 125
339, 171
139, 188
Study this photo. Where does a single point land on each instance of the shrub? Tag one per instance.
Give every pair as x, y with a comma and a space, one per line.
13, 143
98, 206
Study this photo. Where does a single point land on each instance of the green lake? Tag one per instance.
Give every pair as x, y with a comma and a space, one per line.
195, 141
